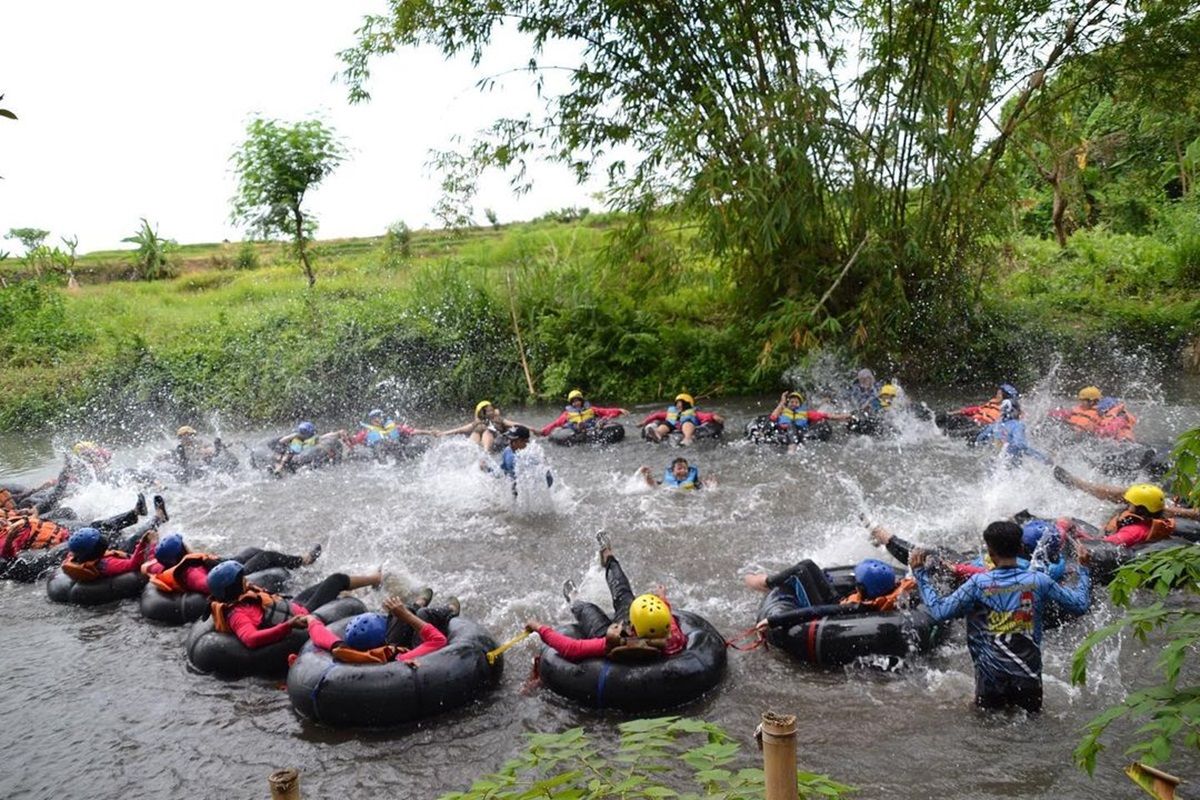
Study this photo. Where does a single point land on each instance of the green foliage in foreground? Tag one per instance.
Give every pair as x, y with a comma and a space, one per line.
1172, 708
668, 757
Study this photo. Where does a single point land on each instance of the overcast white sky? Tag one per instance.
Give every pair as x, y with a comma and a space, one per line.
132, 108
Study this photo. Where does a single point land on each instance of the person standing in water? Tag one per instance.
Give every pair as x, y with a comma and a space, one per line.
1004, 608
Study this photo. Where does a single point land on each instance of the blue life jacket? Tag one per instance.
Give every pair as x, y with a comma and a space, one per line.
298, 445
793, 418
692, 481
579, 419
675, 417
376, 434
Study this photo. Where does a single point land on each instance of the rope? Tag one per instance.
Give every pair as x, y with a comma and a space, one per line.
750, 633
499, 651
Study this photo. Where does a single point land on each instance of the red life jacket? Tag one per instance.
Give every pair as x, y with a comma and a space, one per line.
170, 580
885, 602
276, 609
88, 571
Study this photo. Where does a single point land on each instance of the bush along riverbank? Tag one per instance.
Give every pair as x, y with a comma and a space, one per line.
443, 318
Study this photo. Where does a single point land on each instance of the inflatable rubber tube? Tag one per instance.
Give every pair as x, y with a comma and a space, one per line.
762, 430
838, 639
597, 437
669, 682
222, 654
62, 589
382, 695
176, 608
30, 565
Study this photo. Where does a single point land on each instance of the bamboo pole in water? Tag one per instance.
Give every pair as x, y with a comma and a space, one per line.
776, 736
285, 784
1155, 782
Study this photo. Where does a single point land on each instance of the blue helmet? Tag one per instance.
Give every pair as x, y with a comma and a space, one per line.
1009, 391
86, 544
365, 631
375, 412
1037, 531
1106, 404
170, 550
306, 429
875, 577
225, 581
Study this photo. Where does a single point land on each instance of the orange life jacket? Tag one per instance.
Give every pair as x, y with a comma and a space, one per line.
88, 571
1084, 418
376, 655
45, 534
885, 602
169, 579
987, 413
276, 609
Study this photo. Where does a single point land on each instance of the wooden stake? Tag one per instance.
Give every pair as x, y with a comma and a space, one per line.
285, 784
776, 736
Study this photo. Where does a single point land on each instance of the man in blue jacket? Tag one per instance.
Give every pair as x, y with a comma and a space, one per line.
1004, 608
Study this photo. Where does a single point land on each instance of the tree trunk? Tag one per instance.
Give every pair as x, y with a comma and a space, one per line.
1059, 209
301, 249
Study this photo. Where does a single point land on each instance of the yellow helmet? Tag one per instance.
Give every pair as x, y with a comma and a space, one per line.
481, 405
576, 394
798, 395
685, 397
1146, 495
1089, 393
888, 390
186, 430
650, 617
84, 447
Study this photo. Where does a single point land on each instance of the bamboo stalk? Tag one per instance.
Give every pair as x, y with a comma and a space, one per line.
285, 784
1156, 783
776, 736
512, 307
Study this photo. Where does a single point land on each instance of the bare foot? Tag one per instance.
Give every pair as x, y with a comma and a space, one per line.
756, 581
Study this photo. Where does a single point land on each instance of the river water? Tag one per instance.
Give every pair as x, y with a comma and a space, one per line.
101, 703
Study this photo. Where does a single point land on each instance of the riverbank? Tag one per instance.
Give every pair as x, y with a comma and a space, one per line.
444, 318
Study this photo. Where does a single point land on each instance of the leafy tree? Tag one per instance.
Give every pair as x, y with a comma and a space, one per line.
845, 188
1171, 708
30, 238
152, 259
277, 166
652, 757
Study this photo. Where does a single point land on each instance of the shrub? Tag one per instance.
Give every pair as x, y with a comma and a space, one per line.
247, 256
397, 240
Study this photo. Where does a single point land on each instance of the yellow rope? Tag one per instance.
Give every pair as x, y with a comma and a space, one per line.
494, 654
